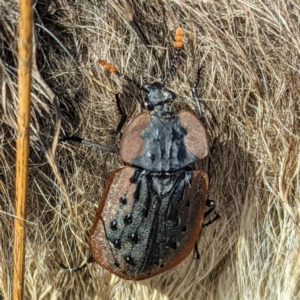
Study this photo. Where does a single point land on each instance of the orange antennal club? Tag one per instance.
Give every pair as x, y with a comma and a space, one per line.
107, 66
178, 46
112, 69
178, 38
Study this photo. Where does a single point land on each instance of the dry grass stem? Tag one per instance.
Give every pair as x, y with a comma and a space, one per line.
22, 156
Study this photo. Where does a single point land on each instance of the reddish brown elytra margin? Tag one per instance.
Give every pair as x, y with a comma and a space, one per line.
151, 212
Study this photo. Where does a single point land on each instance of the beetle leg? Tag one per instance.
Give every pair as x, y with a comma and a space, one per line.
196, 251
101, 147
194, 93
86, 142
217, 217
89, 260
122, 114
211, 204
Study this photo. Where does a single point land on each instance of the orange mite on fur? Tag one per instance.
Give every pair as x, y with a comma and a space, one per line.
152, 210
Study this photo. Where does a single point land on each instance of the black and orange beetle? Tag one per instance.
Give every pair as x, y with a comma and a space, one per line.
151, 212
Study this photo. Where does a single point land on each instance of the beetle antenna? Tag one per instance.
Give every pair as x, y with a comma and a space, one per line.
178, 46
113, 69
194, 92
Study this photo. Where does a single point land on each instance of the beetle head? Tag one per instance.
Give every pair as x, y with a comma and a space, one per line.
157, 96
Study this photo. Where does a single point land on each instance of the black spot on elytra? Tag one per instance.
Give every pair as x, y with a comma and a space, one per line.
174, 245
114, 225
128, 219
183, 229
117, 264
129, 260
117, 243
133, 238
